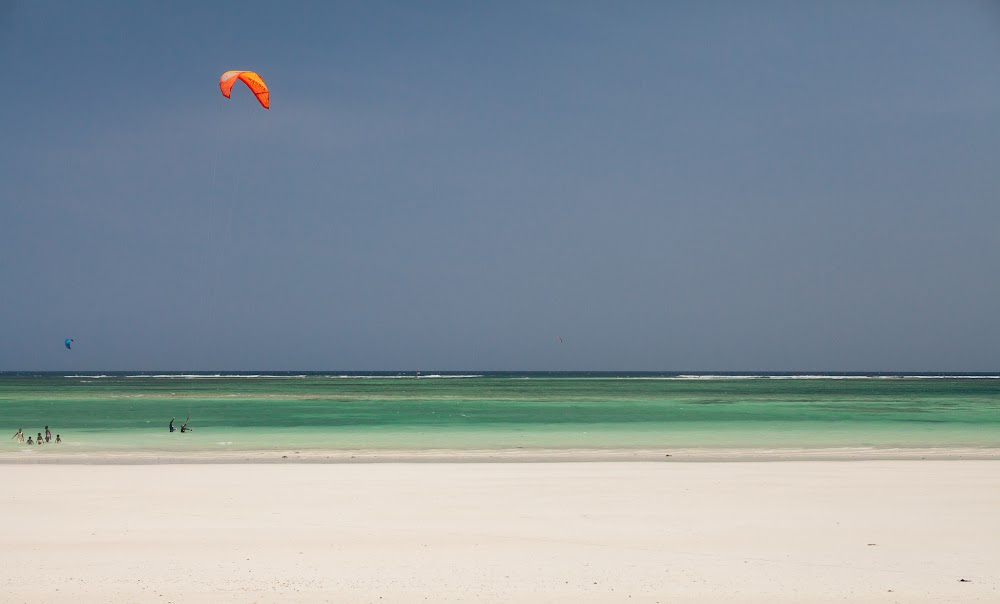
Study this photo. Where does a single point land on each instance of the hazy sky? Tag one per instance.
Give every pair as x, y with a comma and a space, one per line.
452, 185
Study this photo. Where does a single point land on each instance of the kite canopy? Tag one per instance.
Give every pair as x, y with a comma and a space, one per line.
252, 80
68, 342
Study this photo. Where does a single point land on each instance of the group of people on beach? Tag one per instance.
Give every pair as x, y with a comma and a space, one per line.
19, 436
184, 426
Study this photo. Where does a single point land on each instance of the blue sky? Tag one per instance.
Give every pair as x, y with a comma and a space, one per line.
666, 186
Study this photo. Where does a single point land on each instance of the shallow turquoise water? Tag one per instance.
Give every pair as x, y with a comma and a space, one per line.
121, 413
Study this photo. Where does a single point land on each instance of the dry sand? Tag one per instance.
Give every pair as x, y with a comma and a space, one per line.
802, 531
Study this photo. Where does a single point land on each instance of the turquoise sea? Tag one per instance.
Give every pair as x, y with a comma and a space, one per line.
497, 411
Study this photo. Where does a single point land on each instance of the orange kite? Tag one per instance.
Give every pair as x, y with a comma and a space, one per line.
252, 80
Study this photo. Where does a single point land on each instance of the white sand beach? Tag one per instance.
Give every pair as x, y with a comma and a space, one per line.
798, 531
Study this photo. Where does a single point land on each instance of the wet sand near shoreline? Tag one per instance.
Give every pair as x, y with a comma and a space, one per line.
513, 455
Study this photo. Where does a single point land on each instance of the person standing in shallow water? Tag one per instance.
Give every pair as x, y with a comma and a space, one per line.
38, 440
172, 423
48, 435
19, 435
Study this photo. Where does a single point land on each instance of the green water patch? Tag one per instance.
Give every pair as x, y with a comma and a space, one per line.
323, 412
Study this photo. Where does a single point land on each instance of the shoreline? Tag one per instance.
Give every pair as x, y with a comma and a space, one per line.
525, 455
